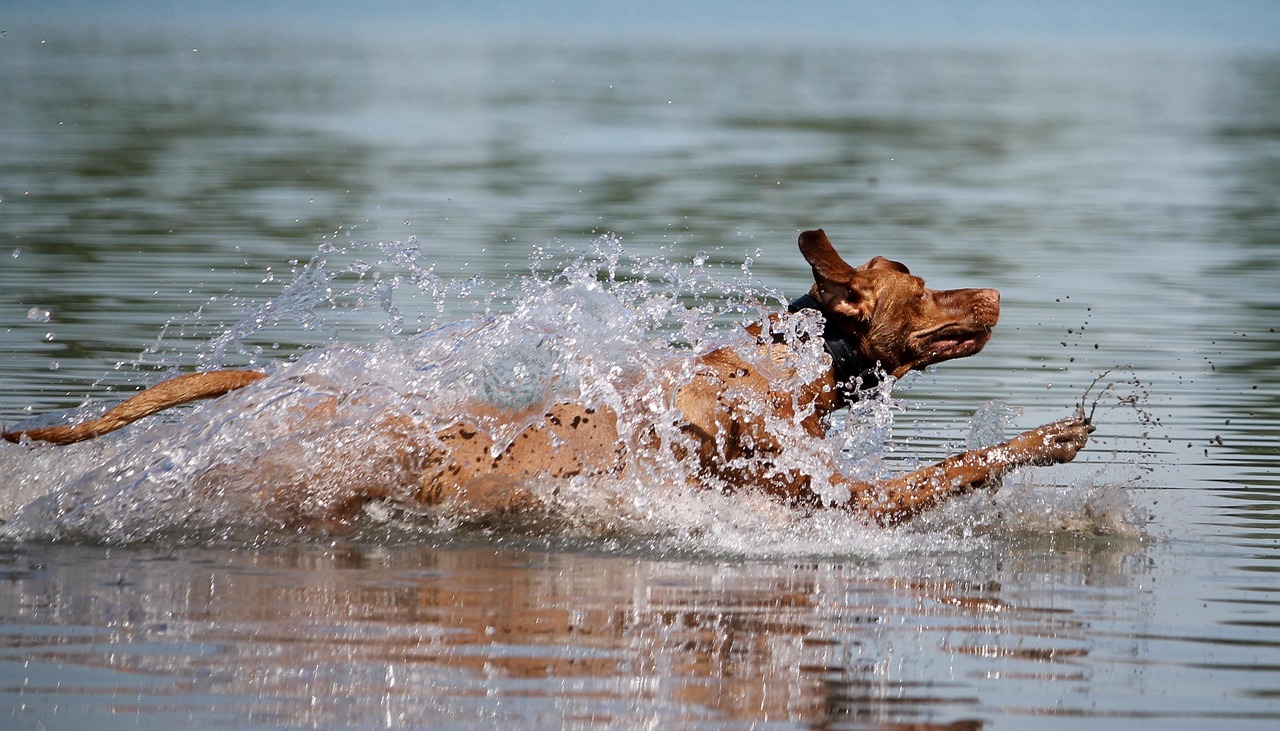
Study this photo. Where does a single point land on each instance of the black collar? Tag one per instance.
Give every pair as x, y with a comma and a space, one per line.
852, 374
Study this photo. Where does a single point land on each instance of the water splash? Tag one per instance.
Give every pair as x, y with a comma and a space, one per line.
598, 327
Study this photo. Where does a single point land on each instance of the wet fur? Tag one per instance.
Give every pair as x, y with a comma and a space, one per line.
886, 316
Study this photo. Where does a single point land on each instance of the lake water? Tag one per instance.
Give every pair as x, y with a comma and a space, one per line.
179, 201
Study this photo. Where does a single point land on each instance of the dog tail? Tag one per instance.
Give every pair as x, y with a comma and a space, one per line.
165, 395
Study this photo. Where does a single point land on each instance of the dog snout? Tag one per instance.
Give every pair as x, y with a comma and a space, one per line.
988, 306
979, 306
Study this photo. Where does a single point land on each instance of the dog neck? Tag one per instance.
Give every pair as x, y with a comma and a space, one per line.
853, 374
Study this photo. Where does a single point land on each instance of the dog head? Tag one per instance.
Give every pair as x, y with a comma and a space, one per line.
889, 317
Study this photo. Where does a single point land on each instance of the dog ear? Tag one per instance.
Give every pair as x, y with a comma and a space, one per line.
836, 284
821, 255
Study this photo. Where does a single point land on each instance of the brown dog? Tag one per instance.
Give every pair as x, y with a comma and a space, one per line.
880, 319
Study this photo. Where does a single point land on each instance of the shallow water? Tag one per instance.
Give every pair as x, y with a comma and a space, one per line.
253, 200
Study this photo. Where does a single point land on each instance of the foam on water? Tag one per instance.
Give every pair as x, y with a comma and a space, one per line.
601, 328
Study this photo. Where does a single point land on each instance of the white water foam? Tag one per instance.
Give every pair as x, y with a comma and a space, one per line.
602, 329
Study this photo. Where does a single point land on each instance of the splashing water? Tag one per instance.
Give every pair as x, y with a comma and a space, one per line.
605, 329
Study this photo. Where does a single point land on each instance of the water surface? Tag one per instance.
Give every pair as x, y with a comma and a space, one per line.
159, 192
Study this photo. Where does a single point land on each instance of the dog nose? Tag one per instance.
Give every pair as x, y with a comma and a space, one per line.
981, 305
988, 305
978, 306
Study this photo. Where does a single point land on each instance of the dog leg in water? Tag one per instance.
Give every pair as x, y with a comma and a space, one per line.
894, 501
166, 395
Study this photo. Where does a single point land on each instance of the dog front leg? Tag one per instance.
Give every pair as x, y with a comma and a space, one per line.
896, 500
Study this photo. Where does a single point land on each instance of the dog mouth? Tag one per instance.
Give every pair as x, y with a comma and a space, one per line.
950, 341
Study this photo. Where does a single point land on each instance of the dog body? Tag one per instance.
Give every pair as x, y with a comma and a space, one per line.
879, 319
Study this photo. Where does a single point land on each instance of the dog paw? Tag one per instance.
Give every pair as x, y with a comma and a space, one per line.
1054, 443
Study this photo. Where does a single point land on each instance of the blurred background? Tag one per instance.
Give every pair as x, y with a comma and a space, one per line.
163, 159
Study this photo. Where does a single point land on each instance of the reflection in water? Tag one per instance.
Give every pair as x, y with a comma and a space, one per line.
484, 636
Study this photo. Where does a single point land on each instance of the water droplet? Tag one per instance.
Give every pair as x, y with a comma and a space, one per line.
50, 337
39, 314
